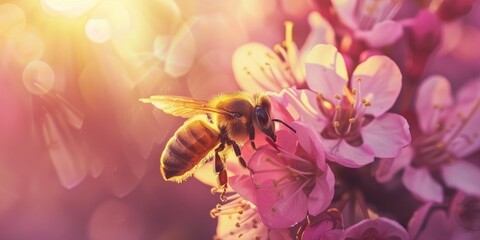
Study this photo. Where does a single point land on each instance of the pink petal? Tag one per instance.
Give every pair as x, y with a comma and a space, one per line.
387, 135
281, 206
382, 34
433, 92
468, 92
326, 71
389, 167
287, 140
342, 153
385, 227
266, 164
322, 194
345, 10
381, 81
321, 32
322, 230
424, 225
67, 158
257, 68
310, 141
301, 106
71, 114
245, 187
462, 175
465, 134
419, 182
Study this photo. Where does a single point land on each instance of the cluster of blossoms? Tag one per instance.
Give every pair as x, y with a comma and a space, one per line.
348, 102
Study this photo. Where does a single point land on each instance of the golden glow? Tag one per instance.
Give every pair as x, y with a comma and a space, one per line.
12, 19
28, 46
69, 8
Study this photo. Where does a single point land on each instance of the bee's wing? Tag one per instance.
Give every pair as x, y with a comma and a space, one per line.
182, 106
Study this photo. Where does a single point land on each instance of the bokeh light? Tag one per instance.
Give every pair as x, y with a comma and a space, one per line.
98, 30
13, 19
28, 46
38, 77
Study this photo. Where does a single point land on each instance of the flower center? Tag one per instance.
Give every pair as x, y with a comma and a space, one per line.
346, 115
440, 146
370, 12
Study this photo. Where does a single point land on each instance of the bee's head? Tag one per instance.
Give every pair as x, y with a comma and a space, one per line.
262, 118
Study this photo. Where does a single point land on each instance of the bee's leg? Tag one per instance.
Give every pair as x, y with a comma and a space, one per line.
238, 152
220, 170
251, 135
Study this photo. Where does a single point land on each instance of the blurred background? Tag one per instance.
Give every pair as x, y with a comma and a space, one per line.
79, 154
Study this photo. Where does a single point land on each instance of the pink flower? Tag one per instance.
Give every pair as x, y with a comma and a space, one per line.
458, 222
370, 20
449, 133
239, 219
379, 228
259, 68
291, 177
352, 117
325, 226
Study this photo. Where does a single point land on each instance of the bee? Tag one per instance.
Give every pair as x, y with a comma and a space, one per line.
211, 127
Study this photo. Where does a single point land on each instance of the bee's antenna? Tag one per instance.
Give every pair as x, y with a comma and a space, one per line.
286, 125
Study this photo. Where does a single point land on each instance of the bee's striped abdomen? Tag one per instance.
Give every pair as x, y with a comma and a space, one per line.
185, 150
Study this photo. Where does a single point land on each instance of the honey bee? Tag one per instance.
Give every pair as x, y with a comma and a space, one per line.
211, 127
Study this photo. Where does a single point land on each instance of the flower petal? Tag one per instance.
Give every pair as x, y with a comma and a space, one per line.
287, 140
322, 230
343, 153
419, 182
429, 223
244, 186
310, 141
462, 175
387, 135
258, 68
466, 118
326, 71
322, 194
321, 32
434, 93
266, 164
301, 106
468, 92
281, 206
382, 34
380, 83
388, 167
385, 229
345, 10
